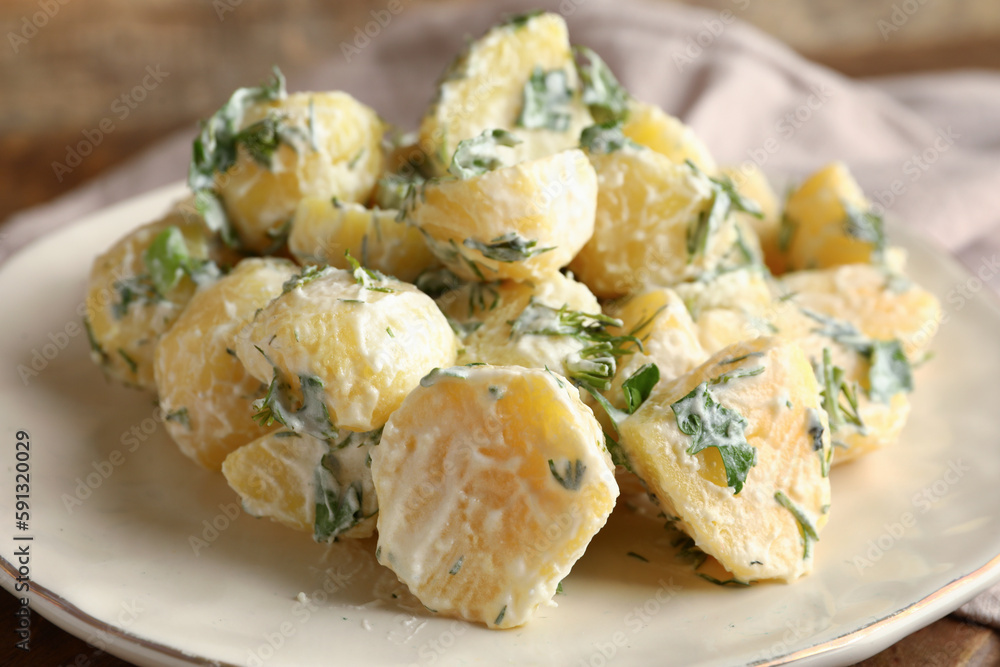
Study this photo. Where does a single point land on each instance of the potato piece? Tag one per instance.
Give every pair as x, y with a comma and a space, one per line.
205, 391
820, 231
882, 306
285, 476
878, 308
323, 229
339, 155
669, 338
360, 342
507, 324
484, 89
648, 125
646, 208
491, 481
758, 402
518, 222
729, 308
126, 314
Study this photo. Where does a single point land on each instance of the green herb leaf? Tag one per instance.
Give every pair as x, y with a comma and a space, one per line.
460, 372
97, 353
511, 247
308, 414
571, 475
478, 155
338, 508
500, 616
603, 95
129, 361
890, 372
722, 582
866, 226
833, 387
306, 276
518, 21
605, 138
724, 200
710, 424
786, 232
596, 363
214, 149
457, 566
167, 259
806, 527
815, 430
639, 385
546, 101
137, 289
367, 278
180, 416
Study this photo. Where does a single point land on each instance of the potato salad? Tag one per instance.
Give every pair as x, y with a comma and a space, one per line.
466, 342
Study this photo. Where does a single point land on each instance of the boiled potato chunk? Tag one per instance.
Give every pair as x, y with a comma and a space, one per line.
517, 222
324, 229
730, 307
646, 207
342, 158
285, 476
755, 402
820, 235
669, 338
203, 388
484, 89
359, 342
491, 482
126, 313
506, 322
879, 308
648, 125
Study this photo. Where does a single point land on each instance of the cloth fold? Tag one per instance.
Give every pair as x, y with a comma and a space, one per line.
925, 147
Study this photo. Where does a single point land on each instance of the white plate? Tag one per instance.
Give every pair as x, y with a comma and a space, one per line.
121, 568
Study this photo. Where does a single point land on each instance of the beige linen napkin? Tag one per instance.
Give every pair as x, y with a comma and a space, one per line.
925, 147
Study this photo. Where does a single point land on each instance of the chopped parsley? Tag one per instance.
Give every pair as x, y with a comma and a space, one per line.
511, 247
806, 528
865, 226
478, 155
367, 278
637, 389
546, 101
518, 21
595, 364
606, 99
129, 361
168, 260
308, 274
500, 616
279, 405
338, 507
711, 424
180, 416
97, 353
604, 138
571, 475
723, 201
840, 400
889, 372
457, 566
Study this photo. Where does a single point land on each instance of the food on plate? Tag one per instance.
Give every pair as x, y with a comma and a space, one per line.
324, 230
657, 222
519, 77
737, 452
265, 150
492, 222
323, 487
204, 390
139, 287
345, 347
547, 287
491, 482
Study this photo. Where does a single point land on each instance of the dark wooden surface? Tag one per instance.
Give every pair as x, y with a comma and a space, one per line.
64, 79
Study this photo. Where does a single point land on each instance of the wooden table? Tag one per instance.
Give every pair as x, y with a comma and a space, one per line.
49, 100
